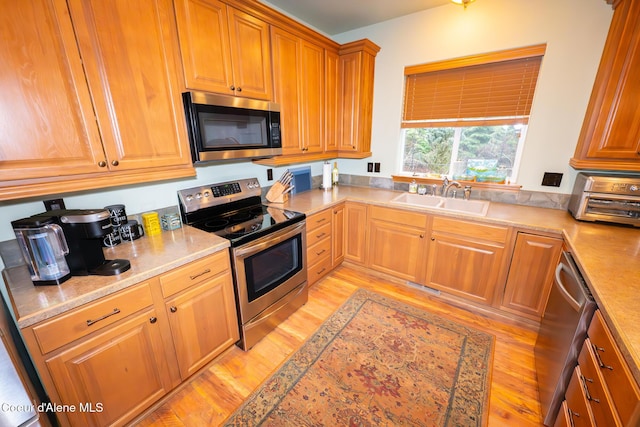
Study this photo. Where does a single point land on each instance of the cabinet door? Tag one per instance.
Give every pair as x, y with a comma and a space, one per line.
130, 54
610, 136
355, 244
46, 116
331, 100
286, 57
397, 250
204, 45
123, 369
464, 267
203, 323
250, 55
338, 235
531, 274
350, 89
311, 76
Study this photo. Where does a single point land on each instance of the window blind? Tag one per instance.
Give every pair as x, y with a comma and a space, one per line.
483, 90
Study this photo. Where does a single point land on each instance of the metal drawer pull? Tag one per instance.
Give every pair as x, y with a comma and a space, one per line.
320, 220
91, 322
321, 252
585, 388
173, 309
195, 276
597, 351
321, 271
320, 235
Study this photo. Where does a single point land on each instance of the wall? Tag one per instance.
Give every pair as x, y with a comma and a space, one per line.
575, 32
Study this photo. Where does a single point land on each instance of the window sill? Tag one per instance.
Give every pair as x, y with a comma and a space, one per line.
474, 184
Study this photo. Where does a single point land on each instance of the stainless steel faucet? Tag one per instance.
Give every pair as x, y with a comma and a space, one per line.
452, 184
445, 183
467, 192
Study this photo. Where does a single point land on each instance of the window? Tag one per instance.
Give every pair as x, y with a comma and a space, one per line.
467, 118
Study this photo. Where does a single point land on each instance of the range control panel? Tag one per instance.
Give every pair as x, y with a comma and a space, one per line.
196, 198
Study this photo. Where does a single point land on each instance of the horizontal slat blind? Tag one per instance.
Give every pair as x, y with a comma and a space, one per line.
487, 93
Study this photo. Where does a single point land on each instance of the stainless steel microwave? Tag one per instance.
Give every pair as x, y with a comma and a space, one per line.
226, 128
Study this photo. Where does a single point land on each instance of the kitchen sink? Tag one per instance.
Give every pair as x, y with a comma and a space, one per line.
417, 200
472, 207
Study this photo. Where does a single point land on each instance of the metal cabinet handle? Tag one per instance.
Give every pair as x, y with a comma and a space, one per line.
232, 87
153, 320
596, 351
321, 271
321, 252
114, 312
571, 414
239, 89
195, 276
320, 235
102, 163
115, 163
173, 309
585, 388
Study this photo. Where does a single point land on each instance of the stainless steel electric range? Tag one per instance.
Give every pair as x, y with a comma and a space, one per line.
267, 251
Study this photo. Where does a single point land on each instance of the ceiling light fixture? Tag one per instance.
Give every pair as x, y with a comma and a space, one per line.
464, 3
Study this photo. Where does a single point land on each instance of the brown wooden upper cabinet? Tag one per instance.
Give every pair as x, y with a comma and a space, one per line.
224, 50
610, 136
91, 96
357, 64
298, 67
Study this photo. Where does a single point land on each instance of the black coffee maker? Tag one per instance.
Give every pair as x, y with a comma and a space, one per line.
84, 230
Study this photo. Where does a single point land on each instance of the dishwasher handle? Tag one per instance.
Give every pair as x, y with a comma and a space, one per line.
563, 290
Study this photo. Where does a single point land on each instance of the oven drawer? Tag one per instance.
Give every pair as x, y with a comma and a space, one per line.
196, 272
78, 323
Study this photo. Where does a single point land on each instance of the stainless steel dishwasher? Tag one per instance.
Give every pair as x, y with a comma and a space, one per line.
562, 331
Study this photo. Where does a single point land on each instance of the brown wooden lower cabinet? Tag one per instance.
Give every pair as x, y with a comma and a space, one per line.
466, 258
325, 242
355, 242
114, 357
531, 274
397, 241
577, 406
113, 376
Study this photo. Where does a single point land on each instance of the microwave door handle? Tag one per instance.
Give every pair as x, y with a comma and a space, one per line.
563, 291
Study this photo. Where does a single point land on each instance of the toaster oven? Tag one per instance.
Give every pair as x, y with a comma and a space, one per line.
606, 198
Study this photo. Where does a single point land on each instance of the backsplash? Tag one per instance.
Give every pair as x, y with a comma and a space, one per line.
522, 197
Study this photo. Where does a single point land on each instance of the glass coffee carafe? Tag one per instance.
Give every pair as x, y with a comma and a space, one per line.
43, 247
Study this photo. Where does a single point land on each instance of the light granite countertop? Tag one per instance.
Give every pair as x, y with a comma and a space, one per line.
607, 255
149, 256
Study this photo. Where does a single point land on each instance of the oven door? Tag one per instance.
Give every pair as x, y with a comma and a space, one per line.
269, 268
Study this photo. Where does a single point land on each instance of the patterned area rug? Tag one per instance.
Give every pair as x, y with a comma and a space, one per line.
378, 362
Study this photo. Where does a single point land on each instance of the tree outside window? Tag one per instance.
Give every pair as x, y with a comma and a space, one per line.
481, 153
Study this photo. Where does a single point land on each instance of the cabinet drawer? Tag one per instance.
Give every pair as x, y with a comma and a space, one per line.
319, 219
494, 233
399, 216
617, 377
595, 389
317, 234
194, 273
317, 271
317, 251
92, 317
578, 410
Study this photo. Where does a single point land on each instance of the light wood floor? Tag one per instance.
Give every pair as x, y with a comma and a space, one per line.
214, 393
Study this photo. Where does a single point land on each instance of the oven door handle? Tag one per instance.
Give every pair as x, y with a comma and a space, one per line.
270, 240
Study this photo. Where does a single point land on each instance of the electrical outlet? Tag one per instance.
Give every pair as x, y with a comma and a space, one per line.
269, 174
54, 204
369, 167
376, 167
551, 179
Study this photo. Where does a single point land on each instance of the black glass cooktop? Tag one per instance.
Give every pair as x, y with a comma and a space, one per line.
248, 223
